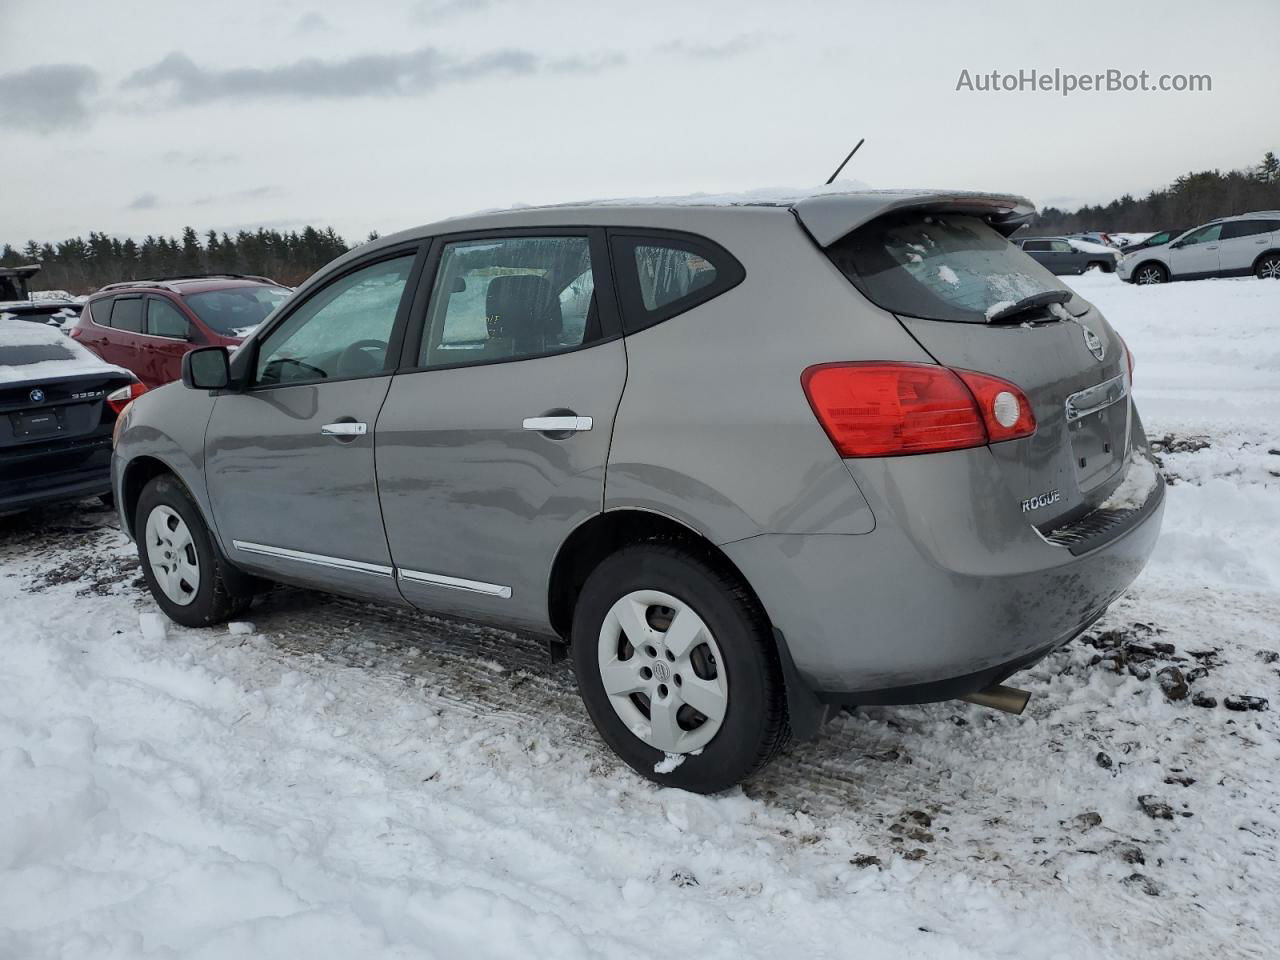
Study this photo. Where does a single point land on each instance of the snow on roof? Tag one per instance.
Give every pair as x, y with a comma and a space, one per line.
36, 351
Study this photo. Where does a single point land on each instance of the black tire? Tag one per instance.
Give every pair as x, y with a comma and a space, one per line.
1268, 267
755, 724
1157, 273
108, 500
214, 601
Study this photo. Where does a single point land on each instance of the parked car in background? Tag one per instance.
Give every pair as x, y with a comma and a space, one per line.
58, 404
1064, 255
751, 461
1100, 239
147, 325
1157, 239
1247, 245
54, 307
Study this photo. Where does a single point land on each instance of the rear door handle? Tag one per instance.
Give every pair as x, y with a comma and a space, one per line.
557, 424
345, 428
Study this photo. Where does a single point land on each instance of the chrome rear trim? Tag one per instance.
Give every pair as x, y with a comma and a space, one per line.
456, 583
1096, 398
315, 559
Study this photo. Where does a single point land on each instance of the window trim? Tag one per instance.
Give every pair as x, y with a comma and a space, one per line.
245, 361
606, 297
622, 244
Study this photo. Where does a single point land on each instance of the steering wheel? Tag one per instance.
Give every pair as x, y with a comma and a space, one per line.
353, 361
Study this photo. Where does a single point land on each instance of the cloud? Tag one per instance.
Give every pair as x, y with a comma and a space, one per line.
198, 158
433, 11
732, 47
144, 201
253, 193
311, 23
47, 98
374, 74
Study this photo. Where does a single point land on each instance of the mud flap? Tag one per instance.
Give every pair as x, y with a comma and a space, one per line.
806, 712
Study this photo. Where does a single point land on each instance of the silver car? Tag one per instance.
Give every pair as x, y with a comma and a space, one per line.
749, 462
1243, 246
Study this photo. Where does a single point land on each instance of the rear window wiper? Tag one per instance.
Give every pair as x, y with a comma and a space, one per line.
1028, 304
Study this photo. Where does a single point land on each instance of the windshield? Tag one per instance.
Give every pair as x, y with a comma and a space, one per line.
235, 312
941, 267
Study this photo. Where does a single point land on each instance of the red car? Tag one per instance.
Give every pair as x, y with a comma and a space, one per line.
146, 326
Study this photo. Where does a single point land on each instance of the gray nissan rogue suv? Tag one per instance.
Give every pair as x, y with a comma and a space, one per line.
751, 462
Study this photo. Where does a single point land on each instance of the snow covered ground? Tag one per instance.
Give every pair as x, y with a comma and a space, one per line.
337, 780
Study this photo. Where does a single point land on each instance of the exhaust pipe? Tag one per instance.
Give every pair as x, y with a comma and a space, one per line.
999, 697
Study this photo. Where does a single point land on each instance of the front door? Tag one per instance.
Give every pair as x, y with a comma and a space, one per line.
290, 459
169, 336
492, 448
1197, 253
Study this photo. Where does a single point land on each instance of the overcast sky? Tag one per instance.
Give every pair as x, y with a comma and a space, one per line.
139, 118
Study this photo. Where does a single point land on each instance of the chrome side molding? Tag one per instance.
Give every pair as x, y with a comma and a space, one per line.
456, 583
315, 559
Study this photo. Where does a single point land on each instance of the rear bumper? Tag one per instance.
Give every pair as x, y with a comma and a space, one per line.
883, 618
67, 472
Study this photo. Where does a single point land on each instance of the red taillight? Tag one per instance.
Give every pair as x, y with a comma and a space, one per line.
1128, 357
890, 409
117, 400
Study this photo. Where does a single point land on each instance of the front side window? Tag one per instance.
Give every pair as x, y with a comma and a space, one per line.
1061, 246
237, 311
166, 320
1036, 246
510, 297
342, 331
940, 267
1203, 235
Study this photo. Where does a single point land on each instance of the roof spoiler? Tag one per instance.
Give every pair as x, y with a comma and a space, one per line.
828, 217
25, 272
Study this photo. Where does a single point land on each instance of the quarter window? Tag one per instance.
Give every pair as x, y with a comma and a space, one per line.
341, 331
165, 320
661, 276
100, 311
510, 297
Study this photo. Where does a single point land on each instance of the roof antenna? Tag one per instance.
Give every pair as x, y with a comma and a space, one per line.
846, 160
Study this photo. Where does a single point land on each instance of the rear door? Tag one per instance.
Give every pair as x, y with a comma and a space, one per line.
1196, 254
493, 441
121, 345
290, 459
169, 337
1242, 242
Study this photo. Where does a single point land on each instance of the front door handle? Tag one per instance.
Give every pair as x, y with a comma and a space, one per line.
557, 424
345, 428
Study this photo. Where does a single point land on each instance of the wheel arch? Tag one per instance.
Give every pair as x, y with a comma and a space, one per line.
138, 472
1257, 261
607, 532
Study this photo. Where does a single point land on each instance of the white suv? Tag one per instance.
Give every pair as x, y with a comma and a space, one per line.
1229, 247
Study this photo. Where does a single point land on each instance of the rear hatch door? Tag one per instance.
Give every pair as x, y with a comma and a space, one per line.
955, 284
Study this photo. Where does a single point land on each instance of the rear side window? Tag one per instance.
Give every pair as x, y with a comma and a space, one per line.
1036, 246
127, 314
662, 275
506, 298
1249, 228
940, 267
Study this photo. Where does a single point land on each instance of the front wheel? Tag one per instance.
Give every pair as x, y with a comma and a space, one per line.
1268, 267
1150, 273
677, 667
186, 574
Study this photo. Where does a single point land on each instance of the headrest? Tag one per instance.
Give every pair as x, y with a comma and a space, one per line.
522, 307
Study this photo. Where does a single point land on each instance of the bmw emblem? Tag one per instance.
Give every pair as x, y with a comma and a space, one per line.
1095, 344
37, 395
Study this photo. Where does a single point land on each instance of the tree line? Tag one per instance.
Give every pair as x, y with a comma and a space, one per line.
82, 266
1189, 201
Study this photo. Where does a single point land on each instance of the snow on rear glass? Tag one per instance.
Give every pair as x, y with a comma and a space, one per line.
20, 355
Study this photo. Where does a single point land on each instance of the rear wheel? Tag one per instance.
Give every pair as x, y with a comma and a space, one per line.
186, 574
676, 665
1268, 267
1151, 273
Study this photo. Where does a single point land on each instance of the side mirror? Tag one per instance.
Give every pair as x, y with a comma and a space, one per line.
206, 368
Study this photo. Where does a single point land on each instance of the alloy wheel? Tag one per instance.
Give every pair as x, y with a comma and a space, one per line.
172, 555
1269, 269
663, 671
1150, 275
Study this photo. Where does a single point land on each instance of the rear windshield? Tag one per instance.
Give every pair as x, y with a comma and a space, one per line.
941, 267
237, 311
